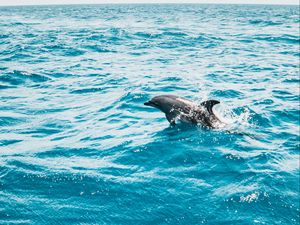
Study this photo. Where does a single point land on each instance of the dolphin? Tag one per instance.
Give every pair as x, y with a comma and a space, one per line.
187, 111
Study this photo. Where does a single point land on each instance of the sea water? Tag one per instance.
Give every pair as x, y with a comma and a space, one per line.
79, 147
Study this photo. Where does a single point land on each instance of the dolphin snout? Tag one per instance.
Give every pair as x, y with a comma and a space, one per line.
149, 103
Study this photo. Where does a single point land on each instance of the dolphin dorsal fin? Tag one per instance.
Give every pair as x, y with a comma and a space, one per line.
208, 105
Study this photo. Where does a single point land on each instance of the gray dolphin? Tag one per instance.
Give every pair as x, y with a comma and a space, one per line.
185, 110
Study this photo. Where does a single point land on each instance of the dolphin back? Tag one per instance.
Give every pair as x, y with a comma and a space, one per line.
176, 107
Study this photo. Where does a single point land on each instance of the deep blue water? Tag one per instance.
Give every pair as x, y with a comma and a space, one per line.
79, 147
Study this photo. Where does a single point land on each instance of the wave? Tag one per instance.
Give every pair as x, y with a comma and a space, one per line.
289, 39
17, 77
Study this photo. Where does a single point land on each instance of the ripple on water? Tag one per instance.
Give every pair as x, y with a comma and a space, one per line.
20, 77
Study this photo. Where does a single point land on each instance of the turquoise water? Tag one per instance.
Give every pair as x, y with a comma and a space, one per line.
79, 147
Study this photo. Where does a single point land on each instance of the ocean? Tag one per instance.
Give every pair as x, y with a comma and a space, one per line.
77, 145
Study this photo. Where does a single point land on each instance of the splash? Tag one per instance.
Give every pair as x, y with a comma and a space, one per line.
234, 119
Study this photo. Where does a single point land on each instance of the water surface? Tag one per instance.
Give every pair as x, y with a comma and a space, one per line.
78, 146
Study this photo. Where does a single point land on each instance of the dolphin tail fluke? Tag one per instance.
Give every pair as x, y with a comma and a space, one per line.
208, 105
